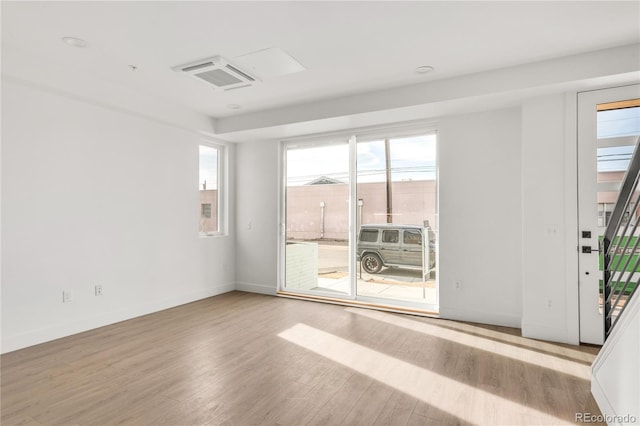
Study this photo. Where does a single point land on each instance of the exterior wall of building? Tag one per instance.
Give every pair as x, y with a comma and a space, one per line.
609, 197
413, 202
209, 224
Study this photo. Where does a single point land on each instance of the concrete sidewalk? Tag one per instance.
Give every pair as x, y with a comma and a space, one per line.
426, 293
391, 283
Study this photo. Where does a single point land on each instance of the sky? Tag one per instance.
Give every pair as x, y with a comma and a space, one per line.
617, 123
412, 158
208, 167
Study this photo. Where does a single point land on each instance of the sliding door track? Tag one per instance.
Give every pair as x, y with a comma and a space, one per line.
359, 304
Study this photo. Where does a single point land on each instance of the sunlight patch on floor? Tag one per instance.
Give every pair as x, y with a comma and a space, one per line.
535, 344
434, 389
507, 350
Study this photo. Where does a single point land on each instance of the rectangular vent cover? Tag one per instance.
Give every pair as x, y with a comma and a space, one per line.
218, 72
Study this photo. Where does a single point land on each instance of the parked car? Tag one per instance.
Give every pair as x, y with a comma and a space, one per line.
393, 245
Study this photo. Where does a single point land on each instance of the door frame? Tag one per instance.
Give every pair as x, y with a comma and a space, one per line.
284, 146
351, 138
591, 324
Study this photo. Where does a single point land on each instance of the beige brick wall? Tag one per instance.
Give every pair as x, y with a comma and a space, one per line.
302, 265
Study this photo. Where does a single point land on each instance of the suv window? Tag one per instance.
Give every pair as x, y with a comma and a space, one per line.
390, 236
369, 235
412, 237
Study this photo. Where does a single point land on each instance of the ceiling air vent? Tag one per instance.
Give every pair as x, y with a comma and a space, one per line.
218, 72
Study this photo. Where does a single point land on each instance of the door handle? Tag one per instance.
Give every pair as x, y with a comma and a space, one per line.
589, 249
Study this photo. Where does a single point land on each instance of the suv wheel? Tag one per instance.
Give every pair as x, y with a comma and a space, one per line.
371, 263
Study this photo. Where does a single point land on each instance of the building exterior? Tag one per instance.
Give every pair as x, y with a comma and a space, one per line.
208, 211
320, 211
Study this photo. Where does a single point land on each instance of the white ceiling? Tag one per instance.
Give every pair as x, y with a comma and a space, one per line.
347, 47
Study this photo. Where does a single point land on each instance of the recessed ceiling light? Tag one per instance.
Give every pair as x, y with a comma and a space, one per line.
74, 41
234, 106
424, 69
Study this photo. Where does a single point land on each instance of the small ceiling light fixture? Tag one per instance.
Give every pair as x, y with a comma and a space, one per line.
424, 69
74, 41
234, 106
133, 67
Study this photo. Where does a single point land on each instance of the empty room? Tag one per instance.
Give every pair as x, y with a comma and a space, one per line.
320, 212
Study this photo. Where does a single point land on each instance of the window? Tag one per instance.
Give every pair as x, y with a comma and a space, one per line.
615, 120
390, 236
355, 213
412, 237
369, 235
209, 186
205, 211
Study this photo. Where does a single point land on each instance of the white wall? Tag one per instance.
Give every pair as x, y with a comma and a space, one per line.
257, 217
480, 217
549, 229
615, 380
92, 195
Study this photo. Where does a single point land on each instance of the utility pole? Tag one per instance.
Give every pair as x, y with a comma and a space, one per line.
387, 158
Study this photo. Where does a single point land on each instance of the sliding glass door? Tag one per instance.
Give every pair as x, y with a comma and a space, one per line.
317, 219
397, 205
360, 219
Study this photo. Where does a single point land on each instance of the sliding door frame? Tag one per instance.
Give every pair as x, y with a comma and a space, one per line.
350, 138
285, 146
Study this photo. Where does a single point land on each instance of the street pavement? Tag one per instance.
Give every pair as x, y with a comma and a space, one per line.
393, 283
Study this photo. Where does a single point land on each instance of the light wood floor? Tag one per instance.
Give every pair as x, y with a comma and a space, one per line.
241, 359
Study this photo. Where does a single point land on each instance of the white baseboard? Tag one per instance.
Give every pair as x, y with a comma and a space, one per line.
482, 317
57, 331
256, 288
543, 332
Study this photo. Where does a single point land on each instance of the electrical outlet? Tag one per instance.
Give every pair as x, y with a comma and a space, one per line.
66, 296
549, 303
98, 289
458, 285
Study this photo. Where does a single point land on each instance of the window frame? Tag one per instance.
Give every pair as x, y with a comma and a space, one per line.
354, 136
221, 187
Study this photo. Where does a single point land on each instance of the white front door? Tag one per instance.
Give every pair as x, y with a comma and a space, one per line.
605, 144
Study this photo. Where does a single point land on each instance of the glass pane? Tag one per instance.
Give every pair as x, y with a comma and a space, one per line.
396, 190
369, 235
390, 236
618, 122
317, 219
412, 237
612, 163
208, 185
613, 160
